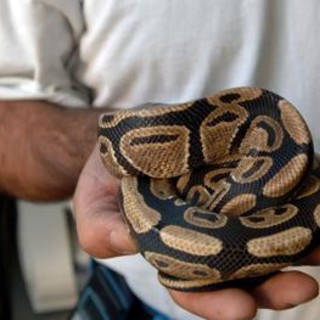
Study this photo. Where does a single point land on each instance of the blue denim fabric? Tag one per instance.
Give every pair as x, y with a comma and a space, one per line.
108, 297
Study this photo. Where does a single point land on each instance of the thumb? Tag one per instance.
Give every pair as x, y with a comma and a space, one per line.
103, 234
101, 230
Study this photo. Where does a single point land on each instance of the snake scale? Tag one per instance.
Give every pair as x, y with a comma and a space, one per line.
216, 190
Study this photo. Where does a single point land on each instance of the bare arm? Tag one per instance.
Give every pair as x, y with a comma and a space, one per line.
43, 148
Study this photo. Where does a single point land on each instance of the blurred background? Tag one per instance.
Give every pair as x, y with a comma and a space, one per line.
42, 270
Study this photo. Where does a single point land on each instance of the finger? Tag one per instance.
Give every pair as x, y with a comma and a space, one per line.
101, 230
312, 259
285, 290
103, 234
221, 304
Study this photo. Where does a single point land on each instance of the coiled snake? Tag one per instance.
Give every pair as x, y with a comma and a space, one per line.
218, 189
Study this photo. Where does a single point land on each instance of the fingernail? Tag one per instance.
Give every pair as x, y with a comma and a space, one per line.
122, 243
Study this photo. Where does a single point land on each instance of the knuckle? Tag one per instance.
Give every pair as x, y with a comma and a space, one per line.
91, 243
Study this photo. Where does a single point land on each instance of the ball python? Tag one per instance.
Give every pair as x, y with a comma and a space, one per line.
216, 190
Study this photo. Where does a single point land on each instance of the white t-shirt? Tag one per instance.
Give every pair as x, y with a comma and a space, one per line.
125, 53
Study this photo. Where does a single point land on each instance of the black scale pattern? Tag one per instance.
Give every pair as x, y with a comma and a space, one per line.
234, 234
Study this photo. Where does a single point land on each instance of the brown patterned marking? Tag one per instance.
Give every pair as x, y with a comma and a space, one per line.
183, 182
214, 178
112, 119
220, 191
240, 204
179, 268
107, 120
212, 191
188, 284
216, 138
109, 158
257, 269
287, 178
294, 123
190, 241
162, 188
243, 93
159, 159
251, 169
284, 243
257, 138
317, 215
270, 217
200, 193
311, 187
205, 219
208, 191
141, 217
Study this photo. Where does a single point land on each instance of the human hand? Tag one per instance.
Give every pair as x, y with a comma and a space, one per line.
284, 290
103, 234
101, 230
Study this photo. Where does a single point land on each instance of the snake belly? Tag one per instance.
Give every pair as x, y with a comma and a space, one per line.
218, 190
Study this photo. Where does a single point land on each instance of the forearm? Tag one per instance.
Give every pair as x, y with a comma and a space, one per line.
43, 148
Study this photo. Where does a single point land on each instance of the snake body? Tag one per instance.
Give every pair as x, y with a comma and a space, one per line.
218, 189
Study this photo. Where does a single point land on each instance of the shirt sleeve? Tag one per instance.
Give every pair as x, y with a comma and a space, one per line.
39, 44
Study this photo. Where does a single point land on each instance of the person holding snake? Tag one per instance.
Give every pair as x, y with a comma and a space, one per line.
65, 65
